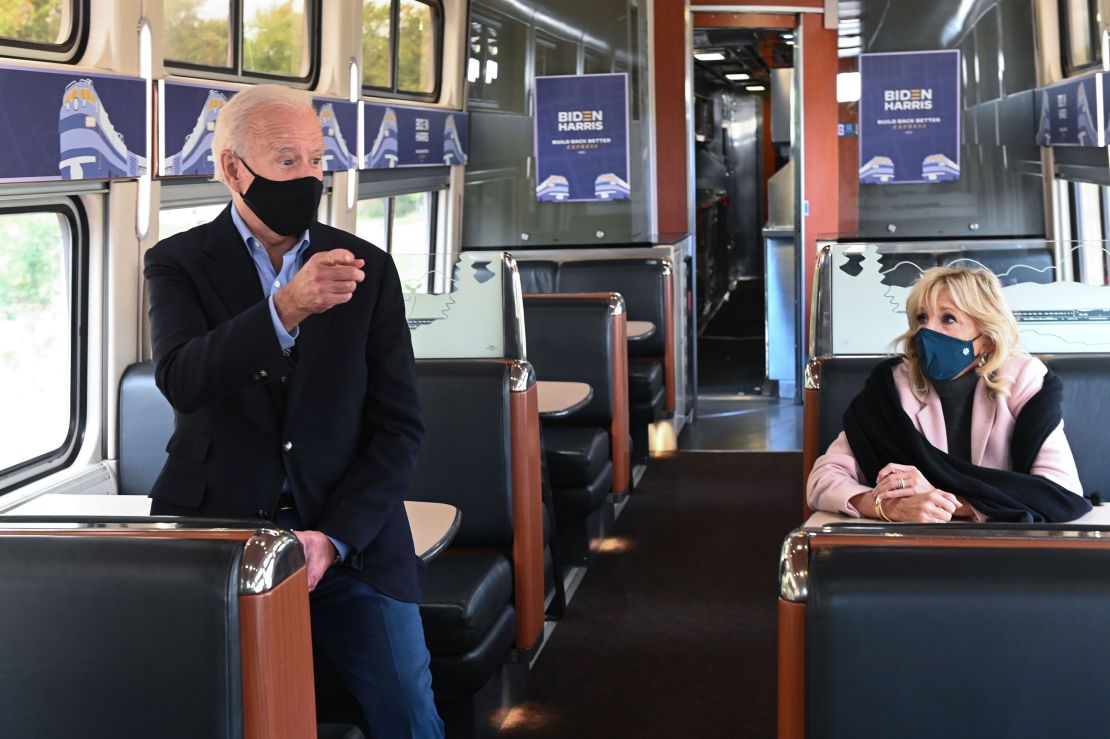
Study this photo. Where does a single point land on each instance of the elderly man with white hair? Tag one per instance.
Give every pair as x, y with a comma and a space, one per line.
282, 345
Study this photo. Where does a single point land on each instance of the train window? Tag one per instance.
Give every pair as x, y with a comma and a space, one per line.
401, 42
44, 29
233, 39
175, 220
372, 222
554, 56
1079, 31
40, 328
495, 64
377, 55
276, 38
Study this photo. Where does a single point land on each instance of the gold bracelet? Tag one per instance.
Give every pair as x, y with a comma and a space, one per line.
879, 509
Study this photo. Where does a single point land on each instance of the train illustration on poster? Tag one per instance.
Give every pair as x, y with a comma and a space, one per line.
400, 136
195, 155
877, 171
1067, 112
939, 168
90, 147
383, 153
337, 154
554, 189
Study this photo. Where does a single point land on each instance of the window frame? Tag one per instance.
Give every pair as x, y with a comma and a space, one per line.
28, 470
394, 91
236, 72
68, 51
1094, 36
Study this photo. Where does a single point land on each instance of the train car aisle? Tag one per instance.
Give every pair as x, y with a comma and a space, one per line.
672, 632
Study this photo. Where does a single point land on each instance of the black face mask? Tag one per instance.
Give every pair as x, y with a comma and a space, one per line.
287, 207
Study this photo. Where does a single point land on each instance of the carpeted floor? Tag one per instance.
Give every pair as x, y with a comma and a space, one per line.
672, 632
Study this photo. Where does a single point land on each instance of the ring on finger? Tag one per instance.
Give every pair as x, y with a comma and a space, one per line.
901, 483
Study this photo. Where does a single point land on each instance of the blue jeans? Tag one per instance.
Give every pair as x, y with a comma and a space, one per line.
376, 645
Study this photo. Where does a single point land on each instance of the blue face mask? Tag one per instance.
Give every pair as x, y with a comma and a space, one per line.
941, 356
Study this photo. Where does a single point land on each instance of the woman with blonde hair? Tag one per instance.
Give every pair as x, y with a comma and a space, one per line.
964, 424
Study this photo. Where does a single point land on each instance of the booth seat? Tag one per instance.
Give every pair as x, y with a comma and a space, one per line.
580, 338
136, 628
914, 630
647, 289
483, 606
484, 596
832, 383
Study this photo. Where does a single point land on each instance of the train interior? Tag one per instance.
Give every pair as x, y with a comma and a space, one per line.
626, 373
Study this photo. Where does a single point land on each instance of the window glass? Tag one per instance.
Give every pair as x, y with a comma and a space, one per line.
175, 220
36, 335
595, 63
37, 21
496, 83
416, 47
372, 222
275, 37
377, 59
1079, 21
411, 240
555, 57
198, 32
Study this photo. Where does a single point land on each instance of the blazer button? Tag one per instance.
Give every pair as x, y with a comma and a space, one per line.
287, 447
261, 375
263, 514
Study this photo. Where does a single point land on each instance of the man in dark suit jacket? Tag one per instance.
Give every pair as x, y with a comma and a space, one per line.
282, 345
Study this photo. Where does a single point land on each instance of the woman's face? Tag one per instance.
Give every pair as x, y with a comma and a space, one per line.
945, 318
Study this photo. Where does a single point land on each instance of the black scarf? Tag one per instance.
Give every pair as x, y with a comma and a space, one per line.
880, 432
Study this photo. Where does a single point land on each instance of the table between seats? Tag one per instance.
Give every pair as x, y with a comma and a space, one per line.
1097, 516
640, 330
433, 525
557, 399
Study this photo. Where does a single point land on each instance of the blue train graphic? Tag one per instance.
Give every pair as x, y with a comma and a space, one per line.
939, 168
1044, 124
610, 187
195, 157
89, 145
336, 153
383, 153
1087, 133
453, 152
877, 171
554, 189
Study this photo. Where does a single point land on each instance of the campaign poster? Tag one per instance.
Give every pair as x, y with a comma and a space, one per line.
909, 117
399, 136
71, 125
581, 133
1069, 113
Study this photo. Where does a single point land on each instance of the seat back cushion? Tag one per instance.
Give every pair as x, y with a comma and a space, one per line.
112, 637
465, 459
1006, 641
145, 426
842, 379
537, 276
1086, 379
639, 281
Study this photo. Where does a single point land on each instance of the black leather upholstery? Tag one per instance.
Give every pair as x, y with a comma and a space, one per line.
1086, 379
120, 638
578, 501
537, 276
463, 596
645, 379
571, 340
457, 676
466, 457
338, 731
575, 455
639, 281
145, 426
1086, 405
956, 642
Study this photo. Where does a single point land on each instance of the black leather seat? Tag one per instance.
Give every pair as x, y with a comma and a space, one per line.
645, 390
1086, 405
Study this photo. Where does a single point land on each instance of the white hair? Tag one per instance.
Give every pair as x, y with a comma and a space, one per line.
233, 124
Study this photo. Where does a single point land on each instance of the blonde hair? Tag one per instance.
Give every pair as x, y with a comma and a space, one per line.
978, 293
240, 114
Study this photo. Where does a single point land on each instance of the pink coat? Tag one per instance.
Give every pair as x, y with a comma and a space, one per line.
836, 476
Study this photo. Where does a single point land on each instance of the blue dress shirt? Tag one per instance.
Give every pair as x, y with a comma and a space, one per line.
272, 281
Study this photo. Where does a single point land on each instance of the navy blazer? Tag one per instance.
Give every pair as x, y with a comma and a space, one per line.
342, 423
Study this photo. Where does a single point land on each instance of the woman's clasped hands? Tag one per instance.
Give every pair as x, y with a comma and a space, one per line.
902, 493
